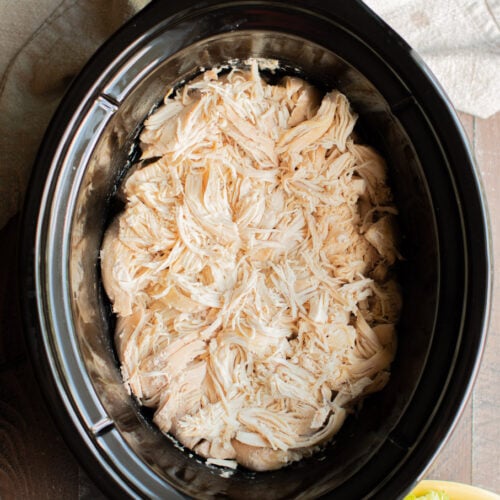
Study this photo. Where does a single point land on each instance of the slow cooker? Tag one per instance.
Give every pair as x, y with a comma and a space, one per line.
445, 275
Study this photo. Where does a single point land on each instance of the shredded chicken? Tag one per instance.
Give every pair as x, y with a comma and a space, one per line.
251, 268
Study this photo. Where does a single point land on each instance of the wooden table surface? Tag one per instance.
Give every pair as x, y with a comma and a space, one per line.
35, 462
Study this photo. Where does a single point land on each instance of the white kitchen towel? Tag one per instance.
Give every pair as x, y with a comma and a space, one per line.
459, 39
460, 42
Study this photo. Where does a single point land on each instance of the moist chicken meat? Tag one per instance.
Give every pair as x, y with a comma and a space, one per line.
250, 270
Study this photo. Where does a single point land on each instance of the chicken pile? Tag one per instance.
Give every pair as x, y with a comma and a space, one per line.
250, 271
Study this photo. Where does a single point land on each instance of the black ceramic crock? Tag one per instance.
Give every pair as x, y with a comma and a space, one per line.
445, 275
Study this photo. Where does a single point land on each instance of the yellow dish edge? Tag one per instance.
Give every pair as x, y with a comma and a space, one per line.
456, 491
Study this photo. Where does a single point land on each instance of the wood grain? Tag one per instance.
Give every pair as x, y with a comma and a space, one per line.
486, 396
34, 461
454, 462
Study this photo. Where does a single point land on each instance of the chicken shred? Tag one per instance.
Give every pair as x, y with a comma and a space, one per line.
250, 269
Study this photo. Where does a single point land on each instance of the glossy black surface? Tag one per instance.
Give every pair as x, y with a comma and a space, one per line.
445, 276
